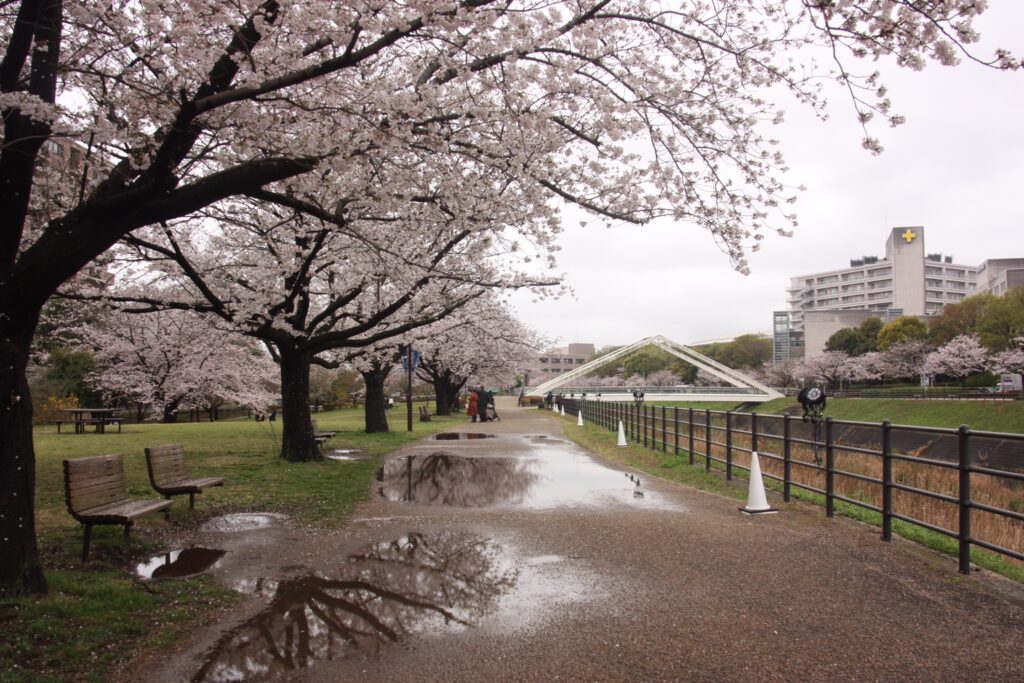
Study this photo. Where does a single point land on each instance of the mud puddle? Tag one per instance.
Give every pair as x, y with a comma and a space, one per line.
243, 521
178, 564
459, 436
561, 477
417, 583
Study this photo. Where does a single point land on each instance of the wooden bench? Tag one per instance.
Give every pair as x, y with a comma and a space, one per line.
424, 414
319, 436
95, 494
168, 475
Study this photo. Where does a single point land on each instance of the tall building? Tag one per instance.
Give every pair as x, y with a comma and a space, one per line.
906, 281
555, 362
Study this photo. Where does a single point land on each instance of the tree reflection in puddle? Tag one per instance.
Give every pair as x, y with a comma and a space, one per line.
179, 563
393, 589
442, 479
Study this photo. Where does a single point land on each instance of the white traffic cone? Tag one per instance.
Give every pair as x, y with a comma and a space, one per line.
562, 409
579, 418
757, 501
622, 435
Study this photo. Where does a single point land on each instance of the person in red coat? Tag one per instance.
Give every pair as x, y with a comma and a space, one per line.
471, 410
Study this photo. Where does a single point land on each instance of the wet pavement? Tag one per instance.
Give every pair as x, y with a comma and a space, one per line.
523, 557
559, 475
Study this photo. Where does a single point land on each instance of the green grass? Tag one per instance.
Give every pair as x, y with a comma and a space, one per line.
677, 468
989, 416
96, 615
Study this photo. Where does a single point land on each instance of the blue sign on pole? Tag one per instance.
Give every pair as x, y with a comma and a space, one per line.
415, 361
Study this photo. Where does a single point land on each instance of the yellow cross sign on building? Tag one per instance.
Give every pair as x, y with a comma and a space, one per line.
909, 235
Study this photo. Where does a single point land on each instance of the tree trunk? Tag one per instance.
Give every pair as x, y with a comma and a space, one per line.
376, 408
297, 442
441, 396
171, 412
20, 571
453, 396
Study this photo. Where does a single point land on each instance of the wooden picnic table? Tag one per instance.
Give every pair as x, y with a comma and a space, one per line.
82, 417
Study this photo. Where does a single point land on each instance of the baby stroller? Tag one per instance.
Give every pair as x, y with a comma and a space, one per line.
491, 415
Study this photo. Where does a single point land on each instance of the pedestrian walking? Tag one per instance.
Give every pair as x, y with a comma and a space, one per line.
471, 410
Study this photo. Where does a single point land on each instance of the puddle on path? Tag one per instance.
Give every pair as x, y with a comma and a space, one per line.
179, 563
560, 477
242, 521
415, 584
458, 436
347, 455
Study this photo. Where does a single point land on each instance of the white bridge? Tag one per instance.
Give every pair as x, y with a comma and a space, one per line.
741, 387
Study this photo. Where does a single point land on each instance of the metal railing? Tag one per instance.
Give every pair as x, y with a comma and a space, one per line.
919, 475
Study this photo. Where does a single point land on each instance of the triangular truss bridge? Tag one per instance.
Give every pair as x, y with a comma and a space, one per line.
741, 387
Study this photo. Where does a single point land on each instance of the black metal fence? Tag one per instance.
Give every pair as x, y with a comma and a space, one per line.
966, 485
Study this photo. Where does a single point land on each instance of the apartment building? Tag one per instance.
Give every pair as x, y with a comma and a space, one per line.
906, 281
555, 362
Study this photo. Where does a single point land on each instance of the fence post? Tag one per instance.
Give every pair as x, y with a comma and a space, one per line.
707, 439
643, 419
689, 434
728, 445
963, 451
636, 422
886, 480
830, 478
787, 458
675, 427
753, 431
664, 431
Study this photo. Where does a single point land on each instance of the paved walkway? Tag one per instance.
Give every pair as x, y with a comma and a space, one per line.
523, 558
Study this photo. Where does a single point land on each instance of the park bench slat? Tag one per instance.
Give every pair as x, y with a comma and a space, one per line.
97, 463
127, 509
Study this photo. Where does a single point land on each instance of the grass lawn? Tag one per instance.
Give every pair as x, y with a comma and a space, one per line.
97, 615
988, 416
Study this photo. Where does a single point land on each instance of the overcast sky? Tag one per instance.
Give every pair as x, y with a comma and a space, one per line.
956, 167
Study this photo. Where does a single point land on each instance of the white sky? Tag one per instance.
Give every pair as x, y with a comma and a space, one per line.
956, 167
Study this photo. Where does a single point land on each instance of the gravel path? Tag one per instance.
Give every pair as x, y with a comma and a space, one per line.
588, 581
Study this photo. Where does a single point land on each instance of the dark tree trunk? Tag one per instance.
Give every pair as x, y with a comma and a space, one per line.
376, 408
446, 390
453, 396
20, 571
171, 412
140, 412
441, 395
297, 442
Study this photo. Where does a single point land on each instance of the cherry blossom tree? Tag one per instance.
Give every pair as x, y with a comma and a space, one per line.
174, 106
663, 378
867, 367
482, 344
961, 357
169, 359
905, 360
830, 367
779, 373
1010, 361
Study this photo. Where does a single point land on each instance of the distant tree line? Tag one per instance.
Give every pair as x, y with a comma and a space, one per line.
964, 342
